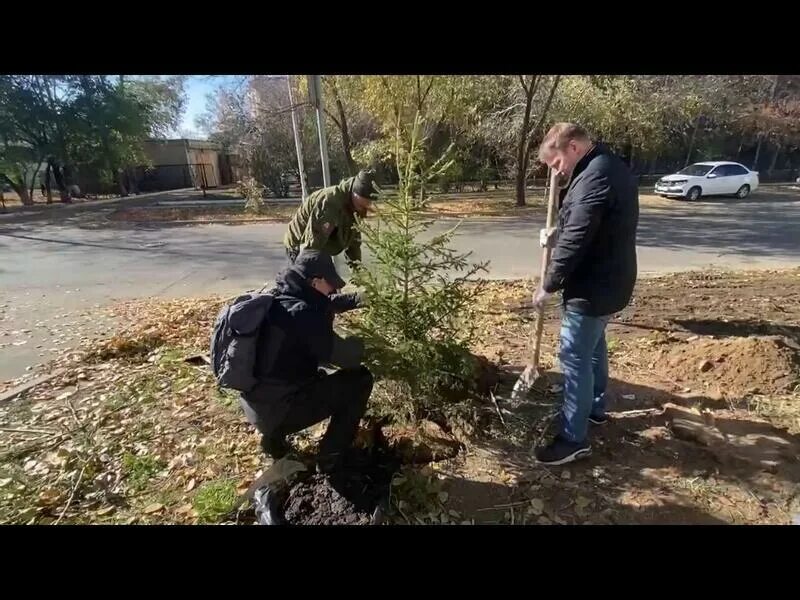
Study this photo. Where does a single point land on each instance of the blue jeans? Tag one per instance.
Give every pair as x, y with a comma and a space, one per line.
584, 363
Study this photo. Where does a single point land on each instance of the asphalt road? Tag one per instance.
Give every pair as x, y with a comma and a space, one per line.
54, 271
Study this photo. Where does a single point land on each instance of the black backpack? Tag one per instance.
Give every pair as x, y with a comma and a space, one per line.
235, 338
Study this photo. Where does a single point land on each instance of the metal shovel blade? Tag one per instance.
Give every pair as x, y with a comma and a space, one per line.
525, 382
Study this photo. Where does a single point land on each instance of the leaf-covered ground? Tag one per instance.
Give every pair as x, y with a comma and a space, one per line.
273, 212
127, 431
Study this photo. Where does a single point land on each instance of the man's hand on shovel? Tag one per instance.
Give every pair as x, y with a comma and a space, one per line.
547, 237
540, 298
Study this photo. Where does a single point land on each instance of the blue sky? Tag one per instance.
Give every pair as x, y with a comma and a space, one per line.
197, 88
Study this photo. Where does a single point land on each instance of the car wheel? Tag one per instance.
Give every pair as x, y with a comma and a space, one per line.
743, 192
694, 193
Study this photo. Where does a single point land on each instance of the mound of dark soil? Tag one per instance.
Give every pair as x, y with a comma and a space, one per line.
347, 497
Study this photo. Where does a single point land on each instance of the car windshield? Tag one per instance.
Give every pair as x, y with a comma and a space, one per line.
695, 170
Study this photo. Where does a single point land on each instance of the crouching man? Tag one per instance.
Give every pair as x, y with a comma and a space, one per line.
292, 392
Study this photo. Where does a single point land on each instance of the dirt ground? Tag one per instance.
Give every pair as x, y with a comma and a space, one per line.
274, 212
705, 420
281, 212
720, 346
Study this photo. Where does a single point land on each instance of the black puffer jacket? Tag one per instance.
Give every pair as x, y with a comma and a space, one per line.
300, 337
594, 260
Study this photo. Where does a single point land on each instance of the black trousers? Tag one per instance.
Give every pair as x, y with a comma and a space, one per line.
342, 396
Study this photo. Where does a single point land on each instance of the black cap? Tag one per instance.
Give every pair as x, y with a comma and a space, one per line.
364, 185
314, 263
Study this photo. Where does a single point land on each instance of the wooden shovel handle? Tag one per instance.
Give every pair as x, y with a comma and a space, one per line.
552, 202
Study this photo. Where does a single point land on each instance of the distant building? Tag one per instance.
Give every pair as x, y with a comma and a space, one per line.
182, 163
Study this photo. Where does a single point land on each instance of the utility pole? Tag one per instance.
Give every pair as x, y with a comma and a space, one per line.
315, 95
298, 142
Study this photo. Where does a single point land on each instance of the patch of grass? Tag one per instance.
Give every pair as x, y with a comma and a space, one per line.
699, 487
613, 346
139, 470
147, 390
417, 497
782, 412
169, 356
117, 399
227, 398
168, 497
130, 348
271, 211
214, 500
13, 501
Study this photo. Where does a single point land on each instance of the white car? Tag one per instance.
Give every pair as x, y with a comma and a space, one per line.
709, 179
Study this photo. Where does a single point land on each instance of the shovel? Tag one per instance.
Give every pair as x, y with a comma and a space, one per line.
531, 372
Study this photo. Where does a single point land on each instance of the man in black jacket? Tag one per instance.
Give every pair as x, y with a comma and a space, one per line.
293, 392
594, 265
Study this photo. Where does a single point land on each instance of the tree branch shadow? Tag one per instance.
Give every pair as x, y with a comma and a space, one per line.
737, 327
641, 472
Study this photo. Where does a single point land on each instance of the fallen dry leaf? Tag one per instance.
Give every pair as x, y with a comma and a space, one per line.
537, 506
153, 508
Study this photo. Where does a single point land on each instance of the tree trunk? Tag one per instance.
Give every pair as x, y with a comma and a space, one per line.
520, 185
522, 142
33, 180
341, 123
758, 152
22, 191
529, 144
741, 145
346, 144
58, 175
47, 187
774, 159
653, 165
120, 176
772, 94
691, 142
133, 186
2, 199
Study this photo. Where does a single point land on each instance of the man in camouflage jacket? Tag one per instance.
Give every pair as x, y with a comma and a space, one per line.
326, 220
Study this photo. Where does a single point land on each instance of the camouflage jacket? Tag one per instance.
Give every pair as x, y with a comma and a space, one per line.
325, 221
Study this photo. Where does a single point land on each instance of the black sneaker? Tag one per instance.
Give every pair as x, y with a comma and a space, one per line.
275, 446
329, 463
561, 452
598, 420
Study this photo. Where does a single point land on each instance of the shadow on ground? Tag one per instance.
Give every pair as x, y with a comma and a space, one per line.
639, 472
737, 327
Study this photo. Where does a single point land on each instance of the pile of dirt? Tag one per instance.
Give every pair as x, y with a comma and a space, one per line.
315, 502
732, 367
347, 497
426, 442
